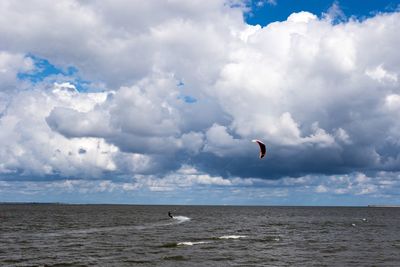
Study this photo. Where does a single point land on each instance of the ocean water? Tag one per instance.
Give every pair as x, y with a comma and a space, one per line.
129, 235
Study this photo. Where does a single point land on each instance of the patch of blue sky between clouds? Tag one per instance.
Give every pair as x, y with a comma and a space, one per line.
189, 99
186, 98
263, 12
45, 70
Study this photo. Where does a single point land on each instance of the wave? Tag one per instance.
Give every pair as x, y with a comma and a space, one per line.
181, 219
192, 243
231, 236
168, 222
186, 243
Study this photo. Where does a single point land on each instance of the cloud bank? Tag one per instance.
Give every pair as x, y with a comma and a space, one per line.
188, 88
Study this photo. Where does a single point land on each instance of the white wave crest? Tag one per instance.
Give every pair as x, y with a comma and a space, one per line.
181, 219
231, 236
192, 243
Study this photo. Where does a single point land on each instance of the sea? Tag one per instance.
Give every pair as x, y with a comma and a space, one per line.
133, 235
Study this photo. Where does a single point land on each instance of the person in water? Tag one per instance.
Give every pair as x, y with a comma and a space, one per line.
170, 215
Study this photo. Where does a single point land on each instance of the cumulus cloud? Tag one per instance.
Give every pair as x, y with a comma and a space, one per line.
31, 149
10, 65
323, 99
315, 189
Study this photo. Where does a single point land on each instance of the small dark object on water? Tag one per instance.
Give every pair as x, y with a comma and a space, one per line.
170, 215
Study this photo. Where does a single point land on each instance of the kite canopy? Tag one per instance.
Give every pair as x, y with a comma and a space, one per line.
263, 150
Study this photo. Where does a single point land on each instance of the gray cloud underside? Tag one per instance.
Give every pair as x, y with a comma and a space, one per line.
324, 98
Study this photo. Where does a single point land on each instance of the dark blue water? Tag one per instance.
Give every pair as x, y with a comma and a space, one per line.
125, 235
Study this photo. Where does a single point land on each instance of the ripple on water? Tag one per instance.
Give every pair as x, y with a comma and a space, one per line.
175, 258
192, 243
169, 245
231, 237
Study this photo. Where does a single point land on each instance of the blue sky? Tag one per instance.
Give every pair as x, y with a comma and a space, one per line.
43, 70
116, 106
265, 12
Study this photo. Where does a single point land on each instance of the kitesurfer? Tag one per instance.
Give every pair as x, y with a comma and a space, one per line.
170, 215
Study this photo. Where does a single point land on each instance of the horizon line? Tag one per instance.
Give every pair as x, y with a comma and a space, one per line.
211, 205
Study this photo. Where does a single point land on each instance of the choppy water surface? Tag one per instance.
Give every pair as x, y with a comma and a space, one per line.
124, 235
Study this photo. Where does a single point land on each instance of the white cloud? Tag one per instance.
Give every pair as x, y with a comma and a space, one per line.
261, 3
10, 65
381, 75
335, 12
120, 42
221, 143
320, 96
301, 17
393, 101
193, 142
343, 136
30, 147
321, 189
189, 183
188, 176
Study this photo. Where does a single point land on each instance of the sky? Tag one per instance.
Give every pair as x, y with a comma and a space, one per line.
156, 102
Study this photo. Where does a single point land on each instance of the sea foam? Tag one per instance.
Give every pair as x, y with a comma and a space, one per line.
231, 236
181, 219
192, 243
